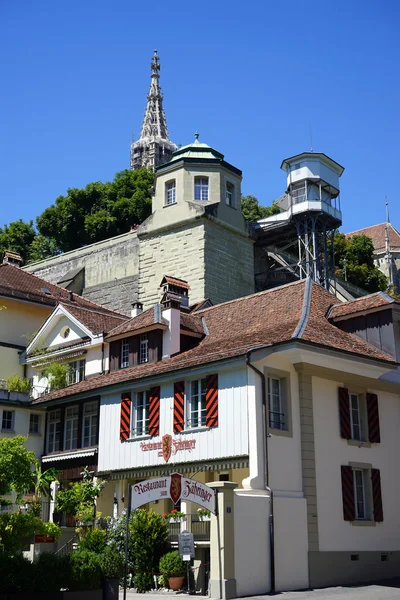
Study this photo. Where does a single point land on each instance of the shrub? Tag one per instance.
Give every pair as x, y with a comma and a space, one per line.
50, 573
85, 571
16, 527
94, 540
171, 564
15, 573
143, 582
111, 562
18, 384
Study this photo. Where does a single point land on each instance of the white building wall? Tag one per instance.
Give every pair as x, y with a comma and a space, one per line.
230, 438
331, 452
94, 359
54, 337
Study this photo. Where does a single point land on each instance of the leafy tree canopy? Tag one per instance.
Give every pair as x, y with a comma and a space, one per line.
354, 260
16, 464
252, 210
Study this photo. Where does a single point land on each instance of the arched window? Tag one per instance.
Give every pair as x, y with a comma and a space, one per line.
201, 188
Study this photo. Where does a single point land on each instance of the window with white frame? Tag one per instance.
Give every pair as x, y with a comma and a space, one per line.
71, 428
359, 493
201, 188
140, 413
144, 348
355, 416
89, 424
230, 194
75, 371
7, 421
275, 403
54, 431
124, 354
34, 423
299, 193
170, 192
196, 404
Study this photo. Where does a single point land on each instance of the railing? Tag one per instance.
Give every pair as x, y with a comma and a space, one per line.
68, 547
192, 523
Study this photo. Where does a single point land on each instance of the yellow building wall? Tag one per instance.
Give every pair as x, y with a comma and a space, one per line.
9, 363
20, 320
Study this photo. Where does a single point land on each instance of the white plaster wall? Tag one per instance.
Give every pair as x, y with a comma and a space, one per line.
312, 168
93, 361
21, 427
331, 452
230, 438
252, 546
54, 337
291, 543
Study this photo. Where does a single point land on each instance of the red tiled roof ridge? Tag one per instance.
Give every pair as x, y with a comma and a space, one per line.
114, 314
368, 227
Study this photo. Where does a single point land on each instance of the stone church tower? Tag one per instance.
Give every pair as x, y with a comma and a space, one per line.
153, 148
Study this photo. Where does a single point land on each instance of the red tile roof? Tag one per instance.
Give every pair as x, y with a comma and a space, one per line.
175, 281
148, 318
240, 325
377, 233
360, 305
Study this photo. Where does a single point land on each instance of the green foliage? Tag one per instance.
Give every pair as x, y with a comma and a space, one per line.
50, 573
94, 540
41, 480
15, 383
16, 527
111, 562
252, 210
171, 564
16, 463
17, 236
354, 260
85, 570
56, 374
15, 573
143, 582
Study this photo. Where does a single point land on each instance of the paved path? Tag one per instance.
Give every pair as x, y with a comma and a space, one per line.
387, 591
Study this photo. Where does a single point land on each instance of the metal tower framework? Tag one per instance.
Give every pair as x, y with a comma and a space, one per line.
315, 254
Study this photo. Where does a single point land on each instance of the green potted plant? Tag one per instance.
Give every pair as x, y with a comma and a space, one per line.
173, 567
175, 516
112, 568
204, 514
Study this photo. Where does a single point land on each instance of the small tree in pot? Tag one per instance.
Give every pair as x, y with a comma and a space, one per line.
173, 568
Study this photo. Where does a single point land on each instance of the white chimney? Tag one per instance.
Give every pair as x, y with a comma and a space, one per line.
172, 335
137, 308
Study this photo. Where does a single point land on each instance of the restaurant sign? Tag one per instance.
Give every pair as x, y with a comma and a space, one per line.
176, 487
168, 447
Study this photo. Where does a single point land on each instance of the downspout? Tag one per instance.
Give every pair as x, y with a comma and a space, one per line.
266, 472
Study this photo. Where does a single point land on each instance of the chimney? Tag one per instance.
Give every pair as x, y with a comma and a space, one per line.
70, 296
137, 308
172, 336
12, 258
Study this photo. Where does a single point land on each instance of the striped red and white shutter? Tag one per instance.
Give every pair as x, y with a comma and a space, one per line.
377, 495
212, 401
344, 413
179, 406
154, 411
125, 420
348, 493
374, 434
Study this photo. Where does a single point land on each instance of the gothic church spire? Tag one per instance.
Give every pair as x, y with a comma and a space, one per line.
153, 148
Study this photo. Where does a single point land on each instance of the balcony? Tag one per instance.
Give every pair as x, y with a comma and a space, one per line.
192, 523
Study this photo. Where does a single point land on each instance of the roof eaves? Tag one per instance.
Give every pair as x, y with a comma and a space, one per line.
305, 313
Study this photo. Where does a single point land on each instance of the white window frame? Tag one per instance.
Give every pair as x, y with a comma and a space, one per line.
140, 414
170, 192
125, 353
144, 348
90, 419
201, 185
12, 420
37, 421
359, 494
299, 193
230, 194
195, 404
76, 371
71, 436
355, 417
275, 417
52, 431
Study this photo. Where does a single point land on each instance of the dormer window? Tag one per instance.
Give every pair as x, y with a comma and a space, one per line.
170, 192
144, 348
201, 188
230, 194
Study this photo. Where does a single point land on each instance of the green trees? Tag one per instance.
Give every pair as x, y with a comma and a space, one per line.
252, 210
16, 464
354, 261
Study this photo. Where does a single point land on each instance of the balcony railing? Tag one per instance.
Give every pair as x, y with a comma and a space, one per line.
192, 523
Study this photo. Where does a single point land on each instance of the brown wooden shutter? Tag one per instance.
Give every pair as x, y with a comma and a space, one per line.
133, 350
344, 414
374, 435
125, 422
212, 401
115, 355
155, 345
154, 411
179, 406
377, 495
348, 493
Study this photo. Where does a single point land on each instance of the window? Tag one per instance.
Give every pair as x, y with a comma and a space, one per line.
7, 422
54, 431
34, 423
144, 348
230, 194
125, 354
355, 417
276, 415
140, 413
299, 194
359, 493
89, 425
201, 188
196, 404
71, 428
75, 371
170, 192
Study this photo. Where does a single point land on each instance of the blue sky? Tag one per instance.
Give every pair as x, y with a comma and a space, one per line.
250, 77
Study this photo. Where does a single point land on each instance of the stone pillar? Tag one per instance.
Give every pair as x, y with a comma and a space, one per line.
257, 439
222, 543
